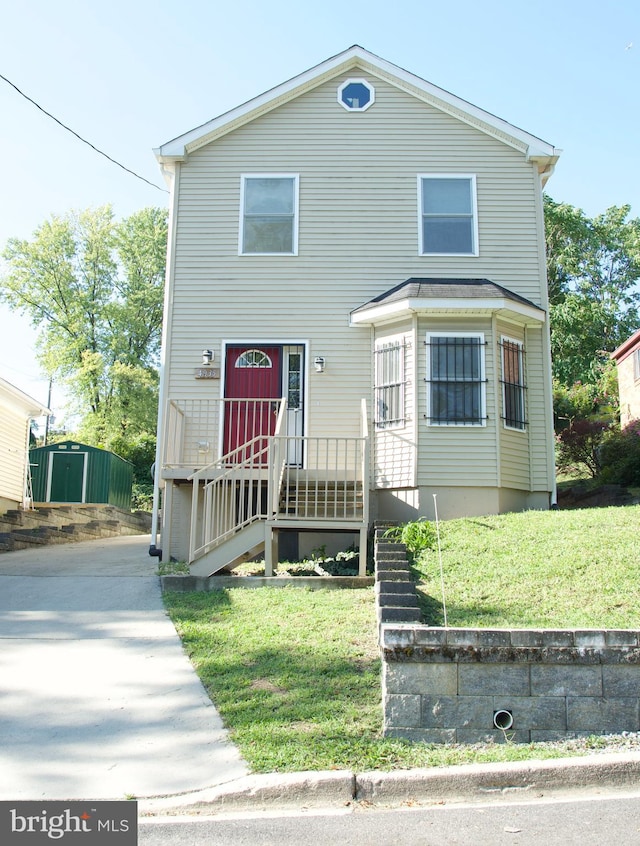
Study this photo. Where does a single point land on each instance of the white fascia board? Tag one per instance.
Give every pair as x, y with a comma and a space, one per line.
14, 398
532, 146
529, 315
462, 109
259, 105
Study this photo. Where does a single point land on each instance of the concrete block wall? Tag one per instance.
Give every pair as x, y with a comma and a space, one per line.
447, 685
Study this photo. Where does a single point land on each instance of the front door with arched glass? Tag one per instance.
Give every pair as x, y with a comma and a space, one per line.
256, 377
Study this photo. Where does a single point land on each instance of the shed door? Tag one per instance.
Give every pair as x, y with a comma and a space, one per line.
253, 384
66, 477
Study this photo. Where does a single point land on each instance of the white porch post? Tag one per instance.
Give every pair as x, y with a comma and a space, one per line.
362, 561
270, 549
165, 521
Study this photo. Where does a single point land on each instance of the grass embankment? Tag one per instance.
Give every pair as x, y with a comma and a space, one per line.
542, 569
295, 674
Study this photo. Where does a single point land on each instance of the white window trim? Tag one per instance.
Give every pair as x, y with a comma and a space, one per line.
360, 81
482, 380
296, 192
474, 207
520, 344
380, 344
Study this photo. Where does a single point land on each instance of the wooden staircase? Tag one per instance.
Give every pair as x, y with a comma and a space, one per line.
242, 499
322, 500
25, 529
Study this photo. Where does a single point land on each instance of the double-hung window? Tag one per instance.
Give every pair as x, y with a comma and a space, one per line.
513, 387
636, 365
389, 384
448, 214
269, 214
456, 379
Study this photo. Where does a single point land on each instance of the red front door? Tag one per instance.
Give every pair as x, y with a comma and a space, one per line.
253, 384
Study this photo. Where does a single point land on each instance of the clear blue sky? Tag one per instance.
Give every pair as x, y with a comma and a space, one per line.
128, 76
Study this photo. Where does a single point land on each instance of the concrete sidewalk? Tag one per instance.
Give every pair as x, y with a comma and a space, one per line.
97, 697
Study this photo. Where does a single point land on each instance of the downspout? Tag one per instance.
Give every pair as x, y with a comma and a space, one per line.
546, 345
170, 172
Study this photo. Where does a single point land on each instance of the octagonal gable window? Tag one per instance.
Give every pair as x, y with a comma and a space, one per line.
356, 95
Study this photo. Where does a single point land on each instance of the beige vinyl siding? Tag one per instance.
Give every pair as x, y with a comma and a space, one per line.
358, 237
395, 448
515, 462
458, 456
539, 414
13, 439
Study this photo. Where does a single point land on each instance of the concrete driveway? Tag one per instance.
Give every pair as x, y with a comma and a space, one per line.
97, 697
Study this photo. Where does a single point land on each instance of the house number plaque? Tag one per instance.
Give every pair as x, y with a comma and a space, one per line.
207, 373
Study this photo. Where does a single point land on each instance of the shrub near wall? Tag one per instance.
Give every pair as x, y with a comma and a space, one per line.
452, 685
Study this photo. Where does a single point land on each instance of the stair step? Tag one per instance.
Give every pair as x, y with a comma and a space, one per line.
389, 586
388, 614
393, 564
403, 600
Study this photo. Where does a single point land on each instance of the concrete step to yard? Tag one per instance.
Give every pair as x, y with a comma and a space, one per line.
391, 564
395, 586
393, 575
400, 600
388, 614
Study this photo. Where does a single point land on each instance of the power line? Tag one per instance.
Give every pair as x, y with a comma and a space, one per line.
79, 137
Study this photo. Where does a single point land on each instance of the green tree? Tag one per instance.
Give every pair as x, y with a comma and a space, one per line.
94, 289
593, 266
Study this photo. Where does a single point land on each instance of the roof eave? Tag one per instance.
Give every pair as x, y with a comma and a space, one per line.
471, 306
625, 349
532, 146
23, 402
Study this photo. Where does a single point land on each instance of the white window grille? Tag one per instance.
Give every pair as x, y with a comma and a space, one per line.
389, 384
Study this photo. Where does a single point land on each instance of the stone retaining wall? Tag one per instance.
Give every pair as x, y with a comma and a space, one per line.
447, 685
457, 685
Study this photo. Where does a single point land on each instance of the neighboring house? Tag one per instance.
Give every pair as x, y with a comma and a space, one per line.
17, 409
355, 320
627, 357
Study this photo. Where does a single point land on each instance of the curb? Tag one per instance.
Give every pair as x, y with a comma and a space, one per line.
283, 791
439, 785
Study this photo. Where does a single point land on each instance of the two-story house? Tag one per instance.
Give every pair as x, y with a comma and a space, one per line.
355, 318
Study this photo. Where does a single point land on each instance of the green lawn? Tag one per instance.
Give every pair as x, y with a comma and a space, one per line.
549, 569
295, 673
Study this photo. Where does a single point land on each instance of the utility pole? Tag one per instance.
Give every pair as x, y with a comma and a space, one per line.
46, 425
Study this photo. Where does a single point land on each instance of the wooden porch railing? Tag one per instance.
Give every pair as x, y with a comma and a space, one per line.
199, 432
174, 434
255, 482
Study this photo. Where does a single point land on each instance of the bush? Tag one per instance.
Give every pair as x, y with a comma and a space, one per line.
593, 401
580, 445
142, 497
417, 536
620, 456
140, 451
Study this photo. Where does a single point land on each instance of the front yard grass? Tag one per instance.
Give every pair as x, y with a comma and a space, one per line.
539, 569
295, 673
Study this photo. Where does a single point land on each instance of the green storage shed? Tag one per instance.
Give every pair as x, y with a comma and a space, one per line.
73, 472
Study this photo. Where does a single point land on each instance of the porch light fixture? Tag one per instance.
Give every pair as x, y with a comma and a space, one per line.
319, 363
207, 357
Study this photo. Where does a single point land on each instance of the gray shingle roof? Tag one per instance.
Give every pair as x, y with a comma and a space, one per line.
417, 288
